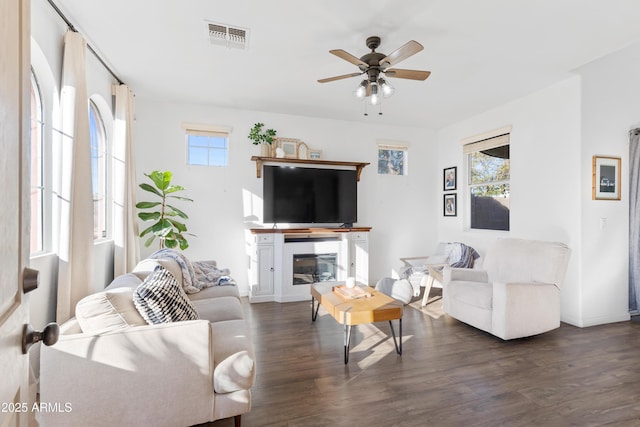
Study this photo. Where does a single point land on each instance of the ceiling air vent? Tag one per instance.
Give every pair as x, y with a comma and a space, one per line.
225, 35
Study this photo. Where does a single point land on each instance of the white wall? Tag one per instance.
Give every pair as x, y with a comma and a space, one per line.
556, 131
610, 108
545, 175
227, 200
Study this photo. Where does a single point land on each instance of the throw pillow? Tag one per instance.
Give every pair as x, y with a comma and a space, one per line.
108, 310
160, 299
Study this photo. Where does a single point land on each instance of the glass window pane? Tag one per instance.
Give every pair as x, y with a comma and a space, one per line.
490, 207
207, 150
486, 167
37, 183
218, 157
198, 156
391, 162
98, 171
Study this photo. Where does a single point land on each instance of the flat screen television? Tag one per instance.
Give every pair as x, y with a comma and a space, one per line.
304, 195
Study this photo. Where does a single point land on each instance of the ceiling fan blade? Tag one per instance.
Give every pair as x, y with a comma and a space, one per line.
403, 52
344, 76
349, 58
408, 74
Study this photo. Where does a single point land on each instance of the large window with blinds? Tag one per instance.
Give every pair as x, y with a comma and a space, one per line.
488, 172
207, 145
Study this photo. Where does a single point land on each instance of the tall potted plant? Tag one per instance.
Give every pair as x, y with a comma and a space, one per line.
165, 227
262, 137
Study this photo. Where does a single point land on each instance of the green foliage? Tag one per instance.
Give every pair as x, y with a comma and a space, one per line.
165, 227
490, 170
259, 137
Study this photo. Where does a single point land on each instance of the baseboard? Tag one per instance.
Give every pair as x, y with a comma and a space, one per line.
600, 320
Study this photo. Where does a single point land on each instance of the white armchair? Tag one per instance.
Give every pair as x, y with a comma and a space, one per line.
517, 294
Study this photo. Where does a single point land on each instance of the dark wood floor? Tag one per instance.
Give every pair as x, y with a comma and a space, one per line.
450, 374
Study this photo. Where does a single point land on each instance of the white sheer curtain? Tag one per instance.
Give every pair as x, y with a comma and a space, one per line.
634, 220
125, 233
74, 201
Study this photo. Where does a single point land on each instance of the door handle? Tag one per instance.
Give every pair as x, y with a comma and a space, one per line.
30, 280
48, 336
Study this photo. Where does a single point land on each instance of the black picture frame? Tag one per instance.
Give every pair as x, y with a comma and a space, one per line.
450, 204
450, 178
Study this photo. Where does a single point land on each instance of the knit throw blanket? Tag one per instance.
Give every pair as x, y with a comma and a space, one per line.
196, 275
461, 255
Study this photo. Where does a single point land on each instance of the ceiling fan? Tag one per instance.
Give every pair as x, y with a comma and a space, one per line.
375, 65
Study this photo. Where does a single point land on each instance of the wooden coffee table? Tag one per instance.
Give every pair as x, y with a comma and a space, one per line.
349, 312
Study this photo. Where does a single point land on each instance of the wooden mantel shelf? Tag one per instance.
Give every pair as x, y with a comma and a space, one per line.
260, 160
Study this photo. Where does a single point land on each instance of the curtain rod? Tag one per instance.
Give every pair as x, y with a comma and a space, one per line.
72, 28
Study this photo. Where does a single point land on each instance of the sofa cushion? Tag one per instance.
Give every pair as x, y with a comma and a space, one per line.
129, 280
161, 299
215, 292
108, 310
219, 309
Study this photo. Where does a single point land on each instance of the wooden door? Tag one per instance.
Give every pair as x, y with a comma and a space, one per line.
15, 401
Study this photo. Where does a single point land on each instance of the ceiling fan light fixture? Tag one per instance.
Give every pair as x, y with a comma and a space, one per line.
374, 99
361, 90
387, 89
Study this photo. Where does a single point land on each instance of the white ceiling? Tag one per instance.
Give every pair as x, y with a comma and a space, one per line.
481, 53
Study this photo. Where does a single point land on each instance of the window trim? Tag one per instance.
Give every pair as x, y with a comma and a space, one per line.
491, 139
207, 130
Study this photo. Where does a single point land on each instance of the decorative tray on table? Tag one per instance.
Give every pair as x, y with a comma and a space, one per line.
351, 293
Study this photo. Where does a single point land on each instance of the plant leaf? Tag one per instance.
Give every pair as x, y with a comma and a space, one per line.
162, 180
173, 189
180, 198
147, 205
150, 189
170, 243
162, 227
178, 212
150, 240
146, 231
149, 216
178, 225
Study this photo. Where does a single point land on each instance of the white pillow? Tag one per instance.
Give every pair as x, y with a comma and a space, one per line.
108, 310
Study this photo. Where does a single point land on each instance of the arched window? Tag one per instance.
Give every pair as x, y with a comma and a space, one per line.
98, 171
37, 181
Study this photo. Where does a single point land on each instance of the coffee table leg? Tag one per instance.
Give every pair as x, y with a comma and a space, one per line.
395, 342
347, 339
314, 309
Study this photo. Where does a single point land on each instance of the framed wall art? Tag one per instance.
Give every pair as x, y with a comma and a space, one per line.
450, 204
450, 178
289, 147
315, 154
605, 184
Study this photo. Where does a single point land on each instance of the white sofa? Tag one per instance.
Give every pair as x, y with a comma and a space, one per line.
517, 292
124, 372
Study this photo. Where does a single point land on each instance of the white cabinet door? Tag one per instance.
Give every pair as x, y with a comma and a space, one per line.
262, 269
359, 257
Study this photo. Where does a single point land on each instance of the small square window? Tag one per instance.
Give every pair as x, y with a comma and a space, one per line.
207, 148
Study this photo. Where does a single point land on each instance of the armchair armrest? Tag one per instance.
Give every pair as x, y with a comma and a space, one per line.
523, 309
131, 376
464, 274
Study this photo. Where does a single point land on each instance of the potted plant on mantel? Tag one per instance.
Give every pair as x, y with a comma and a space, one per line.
264, 138
170, 231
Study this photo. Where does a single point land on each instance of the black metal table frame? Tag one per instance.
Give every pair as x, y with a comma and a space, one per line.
347, 330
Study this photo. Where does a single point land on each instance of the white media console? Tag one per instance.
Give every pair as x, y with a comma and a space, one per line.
284, 262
